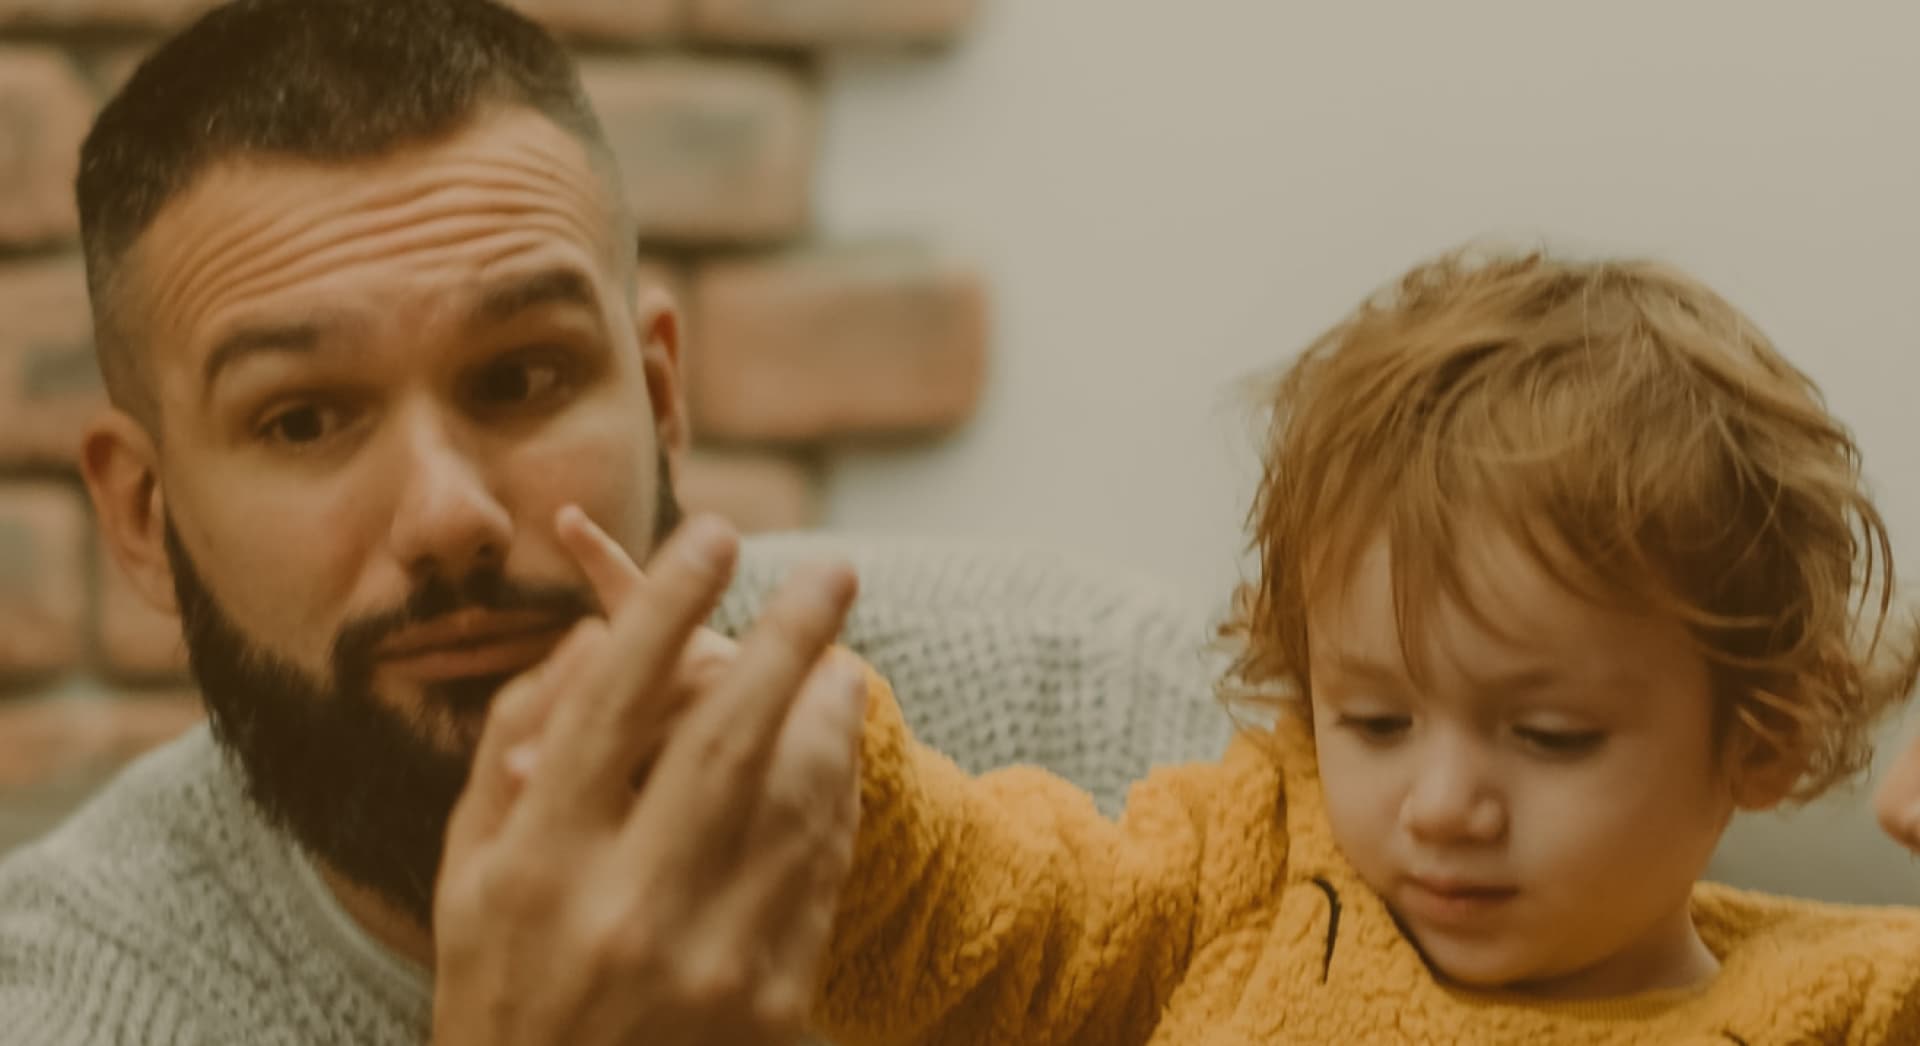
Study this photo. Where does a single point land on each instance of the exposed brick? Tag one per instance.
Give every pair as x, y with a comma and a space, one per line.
45, 109
757, 492
710, 151
49, 379
802, 23
611, 20
45, 741
135, 640
43, 590
100, 14
874, 339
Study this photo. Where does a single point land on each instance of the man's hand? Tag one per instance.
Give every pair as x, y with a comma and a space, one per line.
572, 908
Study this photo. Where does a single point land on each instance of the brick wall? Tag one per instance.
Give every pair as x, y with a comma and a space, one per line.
797, 345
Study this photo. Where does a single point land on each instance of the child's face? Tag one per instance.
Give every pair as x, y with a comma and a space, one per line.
1538, 807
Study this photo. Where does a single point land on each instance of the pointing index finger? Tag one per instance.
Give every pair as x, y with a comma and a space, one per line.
611, 572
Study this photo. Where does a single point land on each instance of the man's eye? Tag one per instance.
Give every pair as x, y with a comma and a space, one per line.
1560, 742
301, 425
513, 382
1377, 728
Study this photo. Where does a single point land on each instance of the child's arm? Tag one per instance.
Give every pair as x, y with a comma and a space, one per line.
1004, 908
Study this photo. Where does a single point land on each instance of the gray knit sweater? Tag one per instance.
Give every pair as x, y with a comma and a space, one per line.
166, 912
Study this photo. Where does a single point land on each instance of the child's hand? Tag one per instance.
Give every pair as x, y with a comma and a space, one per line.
1898, 800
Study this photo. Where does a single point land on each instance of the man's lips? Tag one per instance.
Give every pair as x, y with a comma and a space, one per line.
471, 643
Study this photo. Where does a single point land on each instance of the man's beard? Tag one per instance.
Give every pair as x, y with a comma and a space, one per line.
362, 785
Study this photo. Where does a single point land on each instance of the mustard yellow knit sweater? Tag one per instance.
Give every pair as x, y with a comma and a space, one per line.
1217, 910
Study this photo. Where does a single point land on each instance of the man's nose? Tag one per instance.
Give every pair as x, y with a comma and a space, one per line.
1451, 801
448, 519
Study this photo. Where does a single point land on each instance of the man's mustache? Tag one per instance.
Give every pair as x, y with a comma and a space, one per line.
353, 648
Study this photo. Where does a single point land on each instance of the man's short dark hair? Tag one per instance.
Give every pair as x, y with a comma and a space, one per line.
326, 80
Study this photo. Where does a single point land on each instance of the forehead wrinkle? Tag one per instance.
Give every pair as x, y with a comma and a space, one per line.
529, 183
435, 212
413, 244
187, 252
471, 237
236, 228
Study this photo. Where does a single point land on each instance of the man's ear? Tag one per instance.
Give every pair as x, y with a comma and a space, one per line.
660, 330
119, 463
1764, 767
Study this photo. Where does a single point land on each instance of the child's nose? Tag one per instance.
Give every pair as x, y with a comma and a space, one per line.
1450, 802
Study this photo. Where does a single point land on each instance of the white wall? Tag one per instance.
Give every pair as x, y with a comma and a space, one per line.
1167, 196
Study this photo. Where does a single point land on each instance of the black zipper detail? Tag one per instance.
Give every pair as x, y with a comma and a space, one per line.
1333, 926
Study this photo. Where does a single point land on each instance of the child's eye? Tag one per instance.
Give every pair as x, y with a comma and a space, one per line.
1378, 729
1560, 742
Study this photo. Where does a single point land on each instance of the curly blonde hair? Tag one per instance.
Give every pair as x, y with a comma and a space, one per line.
1645, 443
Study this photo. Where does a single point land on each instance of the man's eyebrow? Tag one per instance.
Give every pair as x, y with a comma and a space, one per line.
561, 285
298, 337
557, 285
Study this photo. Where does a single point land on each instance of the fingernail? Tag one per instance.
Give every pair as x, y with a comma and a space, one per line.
521, 759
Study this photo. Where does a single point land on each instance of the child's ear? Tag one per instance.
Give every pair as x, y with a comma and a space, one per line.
1763, 767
